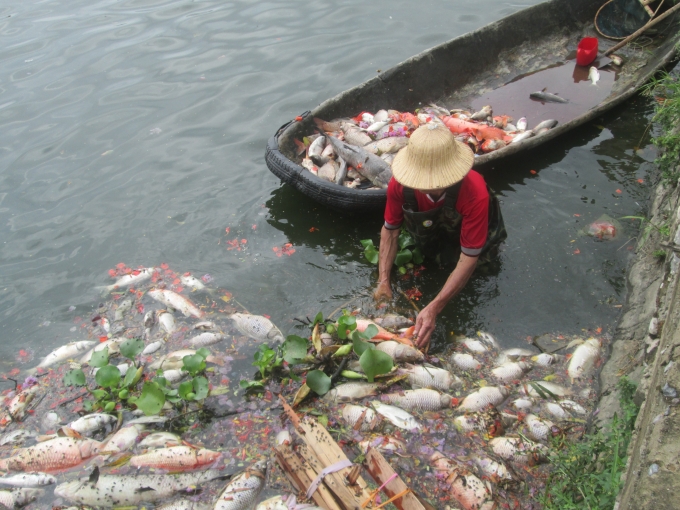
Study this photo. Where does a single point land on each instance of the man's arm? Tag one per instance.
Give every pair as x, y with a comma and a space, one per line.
389, 242
454, 284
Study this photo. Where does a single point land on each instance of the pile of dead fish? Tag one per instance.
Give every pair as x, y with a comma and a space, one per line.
470, 428
358, 152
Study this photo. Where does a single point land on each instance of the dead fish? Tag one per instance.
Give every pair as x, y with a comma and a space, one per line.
28, 480
175, 458
92, 422
465, 361
167, 321
124, 439
418, 400
359, 417
172, 361
544, 359
328, 170
573, 407
137, 276
160, 440
548, 388
496, 471
583, 360
121, 490
550, 123
482, 114
205, 339
384, 444
512, 355
475, 346
488, 423
176, 301
149, 319
510, 370
204, 325
395, 415
122, 309
427, 376
192, 282
16, 437
547, 97
367, 164
341, 174
153, 347
400, 352
523, 404
112, 344
522, 124
536, 428
353, 135
517, 450
316, 148
19, 497
489, 340
243, 490
175, 375
484, 397
275, 503
556, 411
52, 455
65, 352
389, 145
393, 321
257, 327
616, 60
593, 75
351, 391
522, 136
470, 492
17, 406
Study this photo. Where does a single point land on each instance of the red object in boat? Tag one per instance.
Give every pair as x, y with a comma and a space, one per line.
586, 52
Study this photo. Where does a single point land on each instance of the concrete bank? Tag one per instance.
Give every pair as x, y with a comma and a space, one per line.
646, 348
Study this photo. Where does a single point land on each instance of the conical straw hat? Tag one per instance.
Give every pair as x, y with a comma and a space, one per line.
432, 159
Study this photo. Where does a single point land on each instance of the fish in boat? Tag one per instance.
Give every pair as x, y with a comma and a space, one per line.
543, 95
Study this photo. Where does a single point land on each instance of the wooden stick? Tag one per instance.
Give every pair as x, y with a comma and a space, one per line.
649, 25
381, 471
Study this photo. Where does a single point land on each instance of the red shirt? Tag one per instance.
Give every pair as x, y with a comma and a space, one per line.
472, 204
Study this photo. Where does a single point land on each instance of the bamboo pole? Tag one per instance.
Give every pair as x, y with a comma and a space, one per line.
649, 25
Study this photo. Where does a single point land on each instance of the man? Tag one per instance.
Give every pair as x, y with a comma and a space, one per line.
447, 208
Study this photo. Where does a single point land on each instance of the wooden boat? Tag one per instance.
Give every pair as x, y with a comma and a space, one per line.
498, 65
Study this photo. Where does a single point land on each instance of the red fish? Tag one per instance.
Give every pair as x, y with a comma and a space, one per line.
602, 230
480, 131
383, 334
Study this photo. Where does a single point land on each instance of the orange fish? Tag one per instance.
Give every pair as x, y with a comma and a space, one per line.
480, 131
175, 458
383, 334
410, 120
52, 455
492, 144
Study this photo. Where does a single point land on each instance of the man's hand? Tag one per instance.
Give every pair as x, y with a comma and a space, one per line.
383, 292
425, 323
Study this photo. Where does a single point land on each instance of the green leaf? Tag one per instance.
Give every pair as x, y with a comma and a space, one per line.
367, 243
417, 256
110, 406
185, 388
317, 319
405, 240
403, 270
132, 347
151, 400
360, 346
294, 349
74, 377
203, 352
130, 377
318, 382
194, 363
123, 394
246, 385
375, 362
99, 358
370, 331
201, 387
295, 377
346, 322
403, 257
108, 376
344, 350
88, 405
330, 328
372, 255
100, 394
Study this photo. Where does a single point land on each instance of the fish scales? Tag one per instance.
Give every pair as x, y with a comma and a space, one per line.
176, 301
466, 488
431, 377
205, 339
400, 352
351, 391
353, 413
52, 455
65, 352
175, 458
510, 370
242, 492
28, 480
465, 361
367, 164
483, 397
257, 327
396, 416
418, 400
583, 360
120, 490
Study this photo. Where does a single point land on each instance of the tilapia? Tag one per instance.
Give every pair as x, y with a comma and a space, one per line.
66, 352
52, 455
393, 321
205, 339
517, 450
482, 114
19, 497
192, 282
475, 422
120, 490
547, 97
257, 327
137, 276
483, 397
510, 370
124, 439
160, 440
28, 480
465, 361
536, 428
351, 391
400, 352
367, 164
573, 407
17, 406
489, 340
384, 444
470, 492
545, 389
341, 174
122, 309
353, 135
92, 422
523, 404
352, 414
396, 416
176, 301
583, 360
418, 400
556, 411
175, 458
243, 490
427, 376
167, 321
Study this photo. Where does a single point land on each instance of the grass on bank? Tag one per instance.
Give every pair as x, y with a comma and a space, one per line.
586, 474
665, 89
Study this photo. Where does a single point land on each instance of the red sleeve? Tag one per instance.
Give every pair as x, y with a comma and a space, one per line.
394, 214
475, 211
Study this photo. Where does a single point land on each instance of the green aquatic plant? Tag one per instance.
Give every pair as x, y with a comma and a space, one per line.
587, 473
408, 252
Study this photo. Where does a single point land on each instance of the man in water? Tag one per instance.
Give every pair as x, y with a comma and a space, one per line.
447, 208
